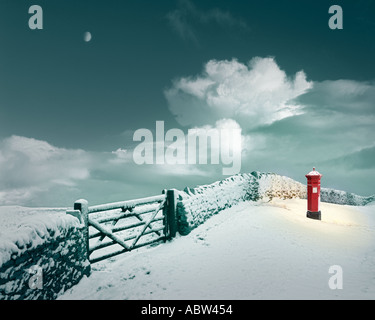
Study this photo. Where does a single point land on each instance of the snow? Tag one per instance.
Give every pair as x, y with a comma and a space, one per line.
236, 249
252, 250
197, 204
275, 186
24, 228
343, 197
313, 173
11, 216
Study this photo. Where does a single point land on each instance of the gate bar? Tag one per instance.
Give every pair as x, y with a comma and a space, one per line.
126, 204
108, 233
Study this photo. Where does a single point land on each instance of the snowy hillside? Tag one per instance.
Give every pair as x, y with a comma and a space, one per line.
261, 245
12, 216
23, 229
253, 250
198, 204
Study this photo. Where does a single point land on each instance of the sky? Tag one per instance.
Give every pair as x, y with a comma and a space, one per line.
301, 93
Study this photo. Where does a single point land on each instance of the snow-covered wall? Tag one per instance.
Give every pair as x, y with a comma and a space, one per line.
272, 185
343, 197
43, 257
196, 205
47, 254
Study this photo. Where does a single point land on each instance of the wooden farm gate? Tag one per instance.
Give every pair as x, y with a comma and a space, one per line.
119, 227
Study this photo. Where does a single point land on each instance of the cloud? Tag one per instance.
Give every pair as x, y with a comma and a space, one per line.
187, 17
362, 160
35, 173
183, 170
121, 156
288, 125
178, 20
334, 133
344, 96
29, 167
255, 94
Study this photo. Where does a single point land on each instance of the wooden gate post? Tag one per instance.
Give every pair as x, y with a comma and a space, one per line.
83, 206
171, 212
165, 214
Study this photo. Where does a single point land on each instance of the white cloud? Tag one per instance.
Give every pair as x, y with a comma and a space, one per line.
337, 125
186, 170
18, 196
34, 150
225, 127
255, 94
121, 156
30, 166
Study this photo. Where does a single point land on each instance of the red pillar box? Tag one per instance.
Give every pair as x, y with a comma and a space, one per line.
313, 195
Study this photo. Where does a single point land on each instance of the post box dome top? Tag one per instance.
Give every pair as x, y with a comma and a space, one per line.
313, 173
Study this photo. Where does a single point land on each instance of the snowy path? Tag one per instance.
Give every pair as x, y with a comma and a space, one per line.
250, 251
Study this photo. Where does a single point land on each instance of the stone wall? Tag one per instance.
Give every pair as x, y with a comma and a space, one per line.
47, 254
343, 197
43, 258
196, 205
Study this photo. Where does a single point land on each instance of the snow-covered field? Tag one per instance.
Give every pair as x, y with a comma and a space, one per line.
253, 250
23, 228
12, 216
